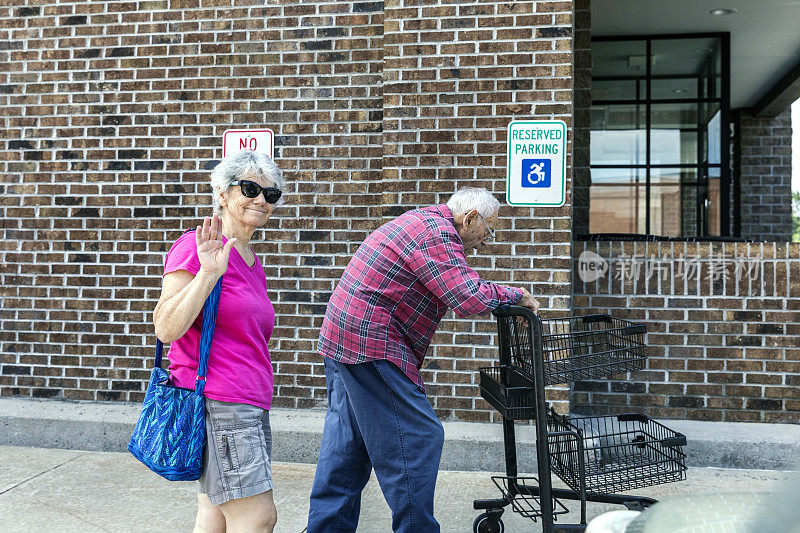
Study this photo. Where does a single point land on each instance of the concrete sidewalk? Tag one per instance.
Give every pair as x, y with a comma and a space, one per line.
81, 491
468, 446
65, 469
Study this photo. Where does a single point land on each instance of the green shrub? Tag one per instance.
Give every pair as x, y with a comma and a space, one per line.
796, 216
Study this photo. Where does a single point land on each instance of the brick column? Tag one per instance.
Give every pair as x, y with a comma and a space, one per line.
766, 177
582, 102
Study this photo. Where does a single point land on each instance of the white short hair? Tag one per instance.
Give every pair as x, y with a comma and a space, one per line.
240, 164
469, 198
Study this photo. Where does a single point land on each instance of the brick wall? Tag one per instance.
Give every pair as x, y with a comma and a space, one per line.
766, 177
455, 74
723, 337
115, 113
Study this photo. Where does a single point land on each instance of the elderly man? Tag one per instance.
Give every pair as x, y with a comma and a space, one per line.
378, 325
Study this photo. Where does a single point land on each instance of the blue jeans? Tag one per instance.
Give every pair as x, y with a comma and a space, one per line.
377, 418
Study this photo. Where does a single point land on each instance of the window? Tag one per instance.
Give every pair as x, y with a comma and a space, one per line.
659, 152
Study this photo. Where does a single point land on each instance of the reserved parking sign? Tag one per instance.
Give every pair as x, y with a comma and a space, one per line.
536, 167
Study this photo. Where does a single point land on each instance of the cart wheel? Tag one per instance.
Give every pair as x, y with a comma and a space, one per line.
487, 523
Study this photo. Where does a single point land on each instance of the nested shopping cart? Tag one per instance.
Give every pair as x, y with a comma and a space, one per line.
596, 457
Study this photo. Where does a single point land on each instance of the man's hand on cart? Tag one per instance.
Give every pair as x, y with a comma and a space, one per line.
528, 301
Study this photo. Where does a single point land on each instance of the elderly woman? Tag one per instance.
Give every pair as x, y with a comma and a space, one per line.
236, 483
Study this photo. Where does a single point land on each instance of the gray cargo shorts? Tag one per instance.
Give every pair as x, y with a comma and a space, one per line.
236, 459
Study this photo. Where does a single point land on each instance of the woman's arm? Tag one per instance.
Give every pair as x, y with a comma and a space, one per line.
183, 293
182, 297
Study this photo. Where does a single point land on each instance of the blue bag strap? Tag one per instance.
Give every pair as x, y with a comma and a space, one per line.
209, 321
159, 350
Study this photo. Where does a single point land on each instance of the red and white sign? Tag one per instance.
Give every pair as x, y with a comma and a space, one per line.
261, 141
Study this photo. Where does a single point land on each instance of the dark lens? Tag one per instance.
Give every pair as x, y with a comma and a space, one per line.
250, 189
272, 195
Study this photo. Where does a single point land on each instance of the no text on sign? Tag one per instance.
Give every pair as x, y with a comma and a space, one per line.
261, 141
537, 161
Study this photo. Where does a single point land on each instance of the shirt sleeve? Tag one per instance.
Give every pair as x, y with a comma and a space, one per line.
183, 255
440, 264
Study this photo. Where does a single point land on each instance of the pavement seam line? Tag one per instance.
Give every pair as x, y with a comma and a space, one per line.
42, 473
82, 519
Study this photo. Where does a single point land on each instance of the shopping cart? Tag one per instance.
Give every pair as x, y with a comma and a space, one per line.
596, 457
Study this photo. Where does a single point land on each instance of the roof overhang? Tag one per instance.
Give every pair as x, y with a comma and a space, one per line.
765, 43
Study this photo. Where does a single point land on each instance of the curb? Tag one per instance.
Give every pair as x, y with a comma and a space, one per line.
469, 446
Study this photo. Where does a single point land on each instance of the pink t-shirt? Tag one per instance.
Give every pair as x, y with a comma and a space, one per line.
239, 366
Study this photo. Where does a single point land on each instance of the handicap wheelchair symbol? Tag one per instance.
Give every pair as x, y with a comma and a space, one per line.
536, 173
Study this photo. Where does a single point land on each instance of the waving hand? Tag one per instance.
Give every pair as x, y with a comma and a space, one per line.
211, 251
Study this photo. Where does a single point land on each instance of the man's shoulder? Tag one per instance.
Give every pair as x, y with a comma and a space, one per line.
434, 219
409, 231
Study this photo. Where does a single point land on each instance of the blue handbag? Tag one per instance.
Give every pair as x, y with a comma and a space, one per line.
171, 432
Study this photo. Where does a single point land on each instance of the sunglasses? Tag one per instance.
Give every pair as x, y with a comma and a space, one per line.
252, 189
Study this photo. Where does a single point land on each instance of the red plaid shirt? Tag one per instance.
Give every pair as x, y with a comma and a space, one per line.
398, 286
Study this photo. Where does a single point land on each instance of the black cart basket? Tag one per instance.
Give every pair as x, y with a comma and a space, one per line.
596, 457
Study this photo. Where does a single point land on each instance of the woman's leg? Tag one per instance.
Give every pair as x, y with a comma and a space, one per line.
209, 517
237, 475
252, 514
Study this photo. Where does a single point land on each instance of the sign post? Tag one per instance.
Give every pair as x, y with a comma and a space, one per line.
261, 141
537, 163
